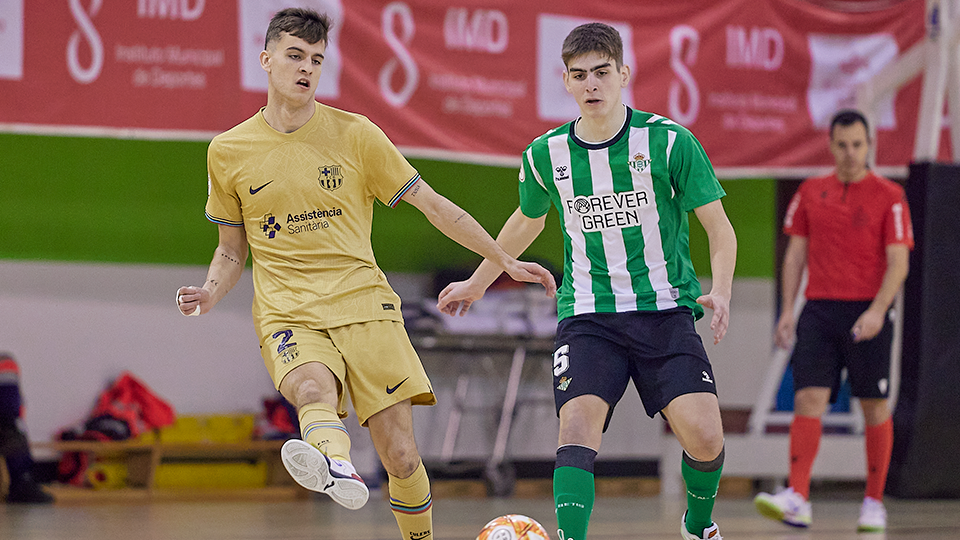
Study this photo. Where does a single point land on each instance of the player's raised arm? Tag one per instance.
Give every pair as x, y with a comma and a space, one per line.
224, 272
515, 237
461, 227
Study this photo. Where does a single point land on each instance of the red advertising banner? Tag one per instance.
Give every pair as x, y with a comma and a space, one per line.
475, 80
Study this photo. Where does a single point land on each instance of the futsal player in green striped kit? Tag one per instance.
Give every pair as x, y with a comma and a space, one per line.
623, 182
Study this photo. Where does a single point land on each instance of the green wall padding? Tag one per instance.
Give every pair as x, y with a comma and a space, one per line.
106, 200
138, 201
751, 207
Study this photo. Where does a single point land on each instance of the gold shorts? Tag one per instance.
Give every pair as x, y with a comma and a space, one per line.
373, 360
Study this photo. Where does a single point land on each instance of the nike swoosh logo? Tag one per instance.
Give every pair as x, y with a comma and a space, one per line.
254, 191
394, 389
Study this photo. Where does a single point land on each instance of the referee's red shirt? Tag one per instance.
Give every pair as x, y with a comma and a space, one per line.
848, 227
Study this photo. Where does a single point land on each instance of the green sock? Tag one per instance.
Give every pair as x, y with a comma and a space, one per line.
573, 494
701, 492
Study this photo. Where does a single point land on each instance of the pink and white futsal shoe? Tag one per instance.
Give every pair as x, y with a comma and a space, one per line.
313, 470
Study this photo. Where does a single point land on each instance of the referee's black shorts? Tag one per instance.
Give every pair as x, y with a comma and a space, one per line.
825, 346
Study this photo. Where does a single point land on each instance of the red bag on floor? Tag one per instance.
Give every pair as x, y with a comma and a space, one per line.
130, 402
123, 411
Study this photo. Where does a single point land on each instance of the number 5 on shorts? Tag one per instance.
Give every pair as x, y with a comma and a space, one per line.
561, 362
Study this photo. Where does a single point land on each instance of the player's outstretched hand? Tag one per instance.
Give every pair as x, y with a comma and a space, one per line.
193, 300
533, 273
456, 298
721, 314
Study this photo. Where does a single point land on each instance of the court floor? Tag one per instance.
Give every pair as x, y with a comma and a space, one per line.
318, 518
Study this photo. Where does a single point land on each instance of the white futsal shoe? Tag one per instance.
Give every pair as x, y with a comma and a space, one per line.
710, 533
873, 516
787, 506
313, 470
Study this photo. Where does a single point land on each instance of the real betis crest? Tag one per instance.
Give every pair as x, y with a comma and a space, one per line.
639, 162
331, 177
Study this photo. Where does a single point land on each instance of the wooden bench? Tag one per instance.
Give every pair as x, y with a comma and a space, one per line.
143, 459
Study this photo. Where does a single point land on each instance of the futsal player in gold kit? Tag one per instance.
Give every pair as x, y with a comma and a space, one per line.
296, 185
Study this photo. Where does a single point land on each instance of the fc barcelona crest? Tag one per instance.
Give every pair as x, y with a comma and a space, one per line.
331, 177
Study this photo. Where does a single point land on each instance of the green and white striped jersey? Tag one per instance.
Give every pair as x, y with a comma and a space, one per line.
623, 207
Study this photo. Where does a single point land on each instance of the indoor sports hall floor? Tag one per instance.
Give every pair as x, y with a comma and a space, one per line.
614, 518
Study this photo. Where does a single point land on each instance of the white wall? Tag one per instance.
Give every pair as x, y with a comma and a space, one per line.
74, 327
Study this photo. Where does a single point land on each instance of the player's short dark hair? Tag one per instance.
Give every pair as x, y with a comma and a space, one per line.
849, 117
593, 37
303, 23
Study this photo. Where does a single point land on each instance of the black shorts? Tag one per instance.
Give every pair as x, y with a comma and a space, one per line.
825, 346
598, 354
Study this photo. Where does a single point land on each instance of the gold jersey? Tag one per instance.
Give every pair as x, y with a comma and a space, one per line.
306, 202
